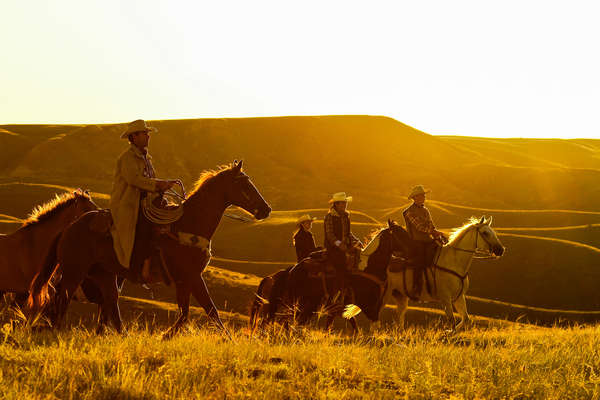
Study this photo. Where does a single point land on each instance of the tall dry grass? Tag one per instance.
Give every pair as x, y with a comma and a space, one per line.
515, 362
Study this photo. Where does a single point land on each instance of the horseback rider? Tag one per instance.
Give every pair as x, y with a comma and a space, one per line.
339, 239
304, 240
425, 237
135, 177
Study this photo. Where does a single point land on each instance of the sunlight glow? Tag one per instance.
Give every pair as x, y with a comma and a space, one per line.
500, 69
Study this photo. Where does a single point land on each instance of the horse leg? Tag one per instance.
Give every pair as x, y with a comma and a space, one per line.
402, 306
101, 321
461, 307
447, 304
107, 283
68, 285
182, 292
200, 292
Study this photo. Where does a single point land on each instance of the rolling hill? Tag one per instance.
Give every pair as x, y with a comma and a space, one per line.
543, 194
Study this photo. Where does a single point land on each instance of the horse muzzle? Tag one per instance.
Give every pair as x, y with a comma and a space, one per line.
262, 213
498, 251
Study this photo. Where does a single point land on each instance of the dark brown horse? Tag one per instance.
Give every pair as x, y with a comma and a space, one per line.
259, 310
22, 252
186, 250
302, 289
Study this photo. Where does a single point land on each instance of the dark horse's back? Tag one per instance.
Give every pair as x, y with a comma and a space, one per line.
270, 290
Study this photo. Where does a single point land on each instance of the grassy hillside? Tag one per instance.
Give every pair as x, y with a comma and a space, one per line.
543, 194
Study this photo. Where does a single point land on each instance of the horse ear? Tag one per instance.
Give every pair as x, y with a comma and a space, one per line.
482, 220
240, 164
390, 222
489, 221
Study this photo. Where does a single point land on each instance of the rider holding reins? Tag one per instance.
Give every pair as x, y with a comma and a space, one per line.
421, 229
339, 239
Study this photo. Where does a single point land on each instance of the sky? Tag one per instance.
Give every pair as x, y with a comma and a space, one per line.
473, 68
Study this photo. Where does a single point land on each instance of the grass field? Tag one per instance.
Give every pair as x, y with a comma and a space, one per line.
517, 362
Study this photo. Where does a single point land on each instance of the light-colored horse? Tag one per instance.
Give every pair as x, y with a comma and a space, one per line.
449, 274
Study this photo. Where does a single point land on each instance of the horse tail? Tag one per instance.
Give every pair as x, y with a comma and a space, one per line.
259, 300
38, 290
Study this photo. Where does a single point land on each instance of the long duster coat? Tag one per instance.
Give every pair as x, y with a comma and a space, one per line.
134, 173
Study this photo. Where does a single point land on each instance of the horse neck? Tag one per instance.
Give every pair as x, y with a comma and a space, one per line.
51, 226
457, 260
378, 260
203, 211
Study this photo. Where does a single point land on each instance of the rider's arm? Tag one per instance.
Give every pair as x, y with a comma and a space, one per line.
329, 234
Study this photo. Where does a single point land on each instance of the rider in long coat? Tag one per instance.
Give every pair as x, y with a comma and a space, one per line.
423, 233
339, 238
304, 241
134, 177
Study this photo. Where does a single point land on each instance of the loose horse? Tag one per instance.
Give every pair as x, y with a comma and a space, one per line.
449, 272
22, 252
186, 250
307, 291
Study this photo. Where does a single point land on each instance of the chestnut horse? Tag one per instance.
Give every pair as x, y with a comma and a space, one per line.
185, 250
22, 252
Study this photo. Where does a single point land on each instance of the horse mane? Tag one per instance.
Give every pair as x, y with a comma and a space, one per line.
369, 237
47, 210
208, 176
458, 233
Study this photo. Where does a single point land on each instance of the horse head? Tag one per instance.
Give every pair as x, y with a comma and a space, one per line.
83, 202
490, 238
243, 193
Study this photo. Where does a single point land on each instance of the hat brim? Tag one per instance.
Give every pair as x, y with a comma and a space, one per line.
416, 194
347, 200
125, 134
311, 219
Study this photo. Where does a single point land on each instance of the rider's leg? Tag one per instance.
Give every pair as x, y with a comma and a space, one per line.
338, 259
142, 248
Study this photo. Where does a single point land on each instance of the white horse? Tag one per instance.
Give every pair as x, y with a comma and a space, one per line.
449, 274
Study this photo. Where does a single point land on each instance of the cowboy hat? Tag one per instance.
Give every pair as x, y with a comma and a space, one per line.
305, 218
340, 196
139, 125
417, 190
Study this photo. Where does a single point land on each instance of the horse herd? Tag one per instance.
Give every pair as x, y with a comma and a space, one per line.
65, 245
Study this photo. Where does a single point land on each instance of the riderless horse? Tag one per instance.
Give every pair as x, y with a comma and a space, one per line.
22, 252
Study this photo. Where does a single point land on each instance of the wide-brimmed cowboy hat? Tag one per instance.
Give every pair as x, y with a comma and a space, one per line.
305, 218
139, 125
417, 190
340, 196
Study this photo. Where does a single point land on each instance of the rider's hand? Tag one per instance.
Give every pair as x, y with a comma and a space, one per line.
161, 185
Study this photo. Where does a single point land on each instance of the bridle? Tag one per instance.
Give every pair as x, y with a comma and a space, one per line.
477, 253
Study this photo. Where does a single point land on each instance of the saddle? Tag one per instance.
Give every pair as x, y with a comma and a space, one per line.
400, 264
317, 265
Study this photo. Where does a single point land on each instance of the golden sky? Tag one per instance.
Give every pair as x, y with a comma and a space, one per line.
475, 68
